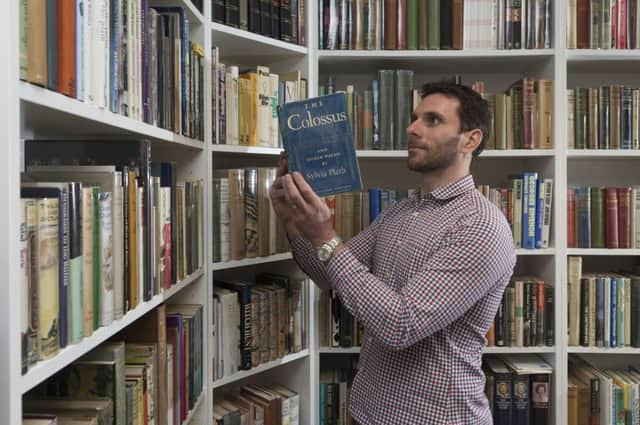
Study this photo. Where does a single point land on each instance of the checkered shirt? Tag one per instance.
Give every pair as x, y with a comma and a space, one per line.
425, 280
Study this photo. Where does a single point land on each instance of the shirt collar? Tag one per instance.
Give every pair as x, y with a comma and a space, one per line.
451, 190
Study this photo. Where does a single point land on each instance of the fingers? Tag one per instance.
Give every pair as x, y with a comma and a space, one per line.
283, 164
293, 196
306, 191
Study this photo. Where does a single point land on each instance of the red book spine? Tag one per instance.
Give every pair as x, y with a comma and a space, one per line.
624, 217
611, 217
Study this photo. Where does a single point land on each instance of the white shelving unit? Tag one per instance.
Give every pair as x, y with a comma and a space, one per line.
29, 111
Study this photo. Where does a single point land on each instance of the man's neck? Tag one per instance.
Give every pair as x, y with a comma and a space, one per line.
433, 180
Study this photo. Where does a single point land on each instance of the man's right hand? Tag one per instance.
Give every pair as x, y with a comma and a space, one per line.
283, 208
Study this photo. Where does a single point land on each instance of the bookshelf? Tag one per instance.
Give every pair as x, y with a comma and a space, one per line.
28, 111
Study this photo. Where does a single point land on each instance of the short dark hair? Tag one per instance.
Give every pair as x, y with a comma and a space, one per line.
473, 111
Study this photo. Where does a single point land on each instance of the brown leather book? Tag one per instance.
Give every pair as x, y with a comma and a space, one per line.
67, 47
582, 24
390, 24
624, 217
457, 25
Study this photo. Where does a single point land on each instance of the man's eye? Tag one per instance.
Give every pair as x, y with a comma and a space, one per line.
431, 120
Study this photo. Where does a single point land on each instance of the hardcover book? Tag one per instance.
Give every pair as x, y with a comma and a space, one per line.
318, 140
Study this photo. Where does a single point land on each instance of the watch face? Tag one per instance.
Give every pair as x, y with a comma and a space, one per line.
324, 253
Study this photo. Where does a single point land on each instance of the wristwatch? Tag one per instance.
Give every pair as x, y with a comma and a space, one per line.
327, 249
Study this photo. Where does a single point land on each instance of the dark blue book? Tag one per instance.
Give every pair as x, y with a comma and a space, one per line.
318, 140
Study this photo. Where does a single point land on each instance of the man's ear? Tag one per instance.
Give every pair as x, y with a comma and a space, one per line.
472, 140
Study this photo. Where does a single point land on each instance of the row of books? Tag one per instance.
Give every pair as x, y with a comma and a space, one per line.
527, 206
282, 20
125, 57
604, 308
602, 24
258, 322
351, 212
522, 116
525, 317
604, 395
244, 223
245, 103
334, 393
255, 404
434, 24
603, 217
337, 326
604, 117
518, 389
90, 250
149, 373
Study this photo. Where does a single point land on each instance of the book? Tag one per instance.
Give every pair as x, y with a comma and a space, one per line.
318, 140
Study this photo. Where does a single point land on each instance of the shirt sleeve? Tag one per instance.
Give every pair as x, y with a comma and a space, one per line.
360, 247
474, 259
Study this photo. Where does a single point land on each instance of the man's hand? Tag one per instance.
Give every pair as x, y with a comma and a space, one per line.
283, 209
296, 204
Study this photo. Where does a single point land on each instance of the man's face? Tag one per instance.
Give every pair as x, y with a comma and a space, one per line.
434, 134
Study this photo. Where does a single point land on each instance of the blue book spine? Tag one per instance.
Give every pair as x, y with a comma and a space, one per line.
374, 204
529, 210
584, 217
613, 314
319, 143
539, 212
52, 44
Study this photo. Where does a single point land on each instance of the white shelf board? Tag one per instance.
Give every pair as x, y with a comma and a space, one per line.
46, 368
541, 251
491, 153
602, 251
236, 42
246, 150
192, 413
488, 350
440, 54
251, 261
603, 350
260, 368
603, 153
432, 61
55, 114
602, 55
519, 350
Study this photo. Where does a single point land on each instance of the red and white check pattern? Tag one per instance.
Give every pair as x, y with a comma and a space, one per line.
425, 279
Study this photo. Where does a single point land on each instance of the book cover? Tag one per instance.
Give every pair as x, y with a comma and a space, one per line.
319, 143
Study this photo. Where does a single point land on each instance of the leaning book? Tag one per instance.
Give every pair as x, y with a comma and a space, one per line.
317, 137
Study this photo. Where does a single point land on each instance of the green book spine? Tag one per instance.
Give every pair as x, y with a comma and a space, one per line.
433, 24
423, 20
597, 217
412, 24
